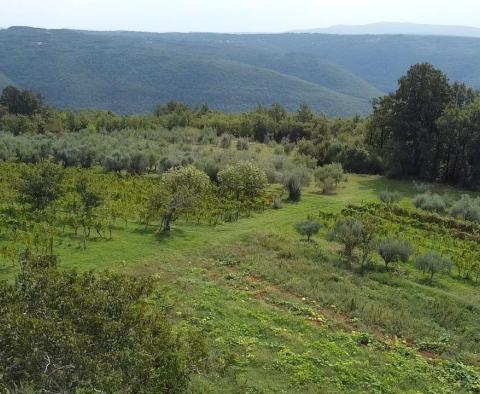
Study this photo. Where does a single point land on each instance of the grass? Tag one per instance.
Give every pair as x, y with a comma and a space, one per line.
282, 315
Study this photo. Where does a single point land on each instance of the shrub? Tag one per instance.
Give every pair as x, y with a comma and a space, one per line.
242, 144
63, 331
225, 141
420, 187
352, 233
329, 176
287, 145
430, 202
394, 250
467, 208
293, 186
277, 203
432, 262
138, 163
308, 228
388, 197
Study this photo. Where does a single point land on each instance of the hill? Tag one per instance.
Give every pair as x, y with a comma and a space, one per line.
398, 28
130, 72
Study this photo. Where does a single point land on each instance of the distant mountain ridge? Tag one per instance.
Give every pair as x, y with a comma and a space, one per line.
398, 28
131, 72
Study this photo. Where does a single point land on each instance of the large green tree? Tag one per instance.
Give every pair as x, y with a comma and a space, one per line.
427, 128
21, 102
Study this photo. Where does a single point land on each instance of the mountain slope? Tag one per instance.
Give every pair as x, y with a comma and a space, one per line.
314, 70
132, 72
398, 28
78, 71
379, 60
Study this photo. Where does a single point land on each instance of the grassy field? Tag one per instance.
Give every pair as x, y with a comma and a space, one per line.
282, 315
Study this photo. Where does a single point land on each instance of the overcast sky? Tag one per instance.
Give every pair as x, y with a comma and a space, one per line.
231, 15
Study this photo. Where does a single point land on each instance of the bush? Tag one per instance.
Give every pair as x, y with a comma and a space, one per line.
63, 331
388, 197
225, 141
467, 208
277, 203
308, 228
138, 163
420, 187
329, 176
432, 262
293, 186
242, 144
430, 202
394, 250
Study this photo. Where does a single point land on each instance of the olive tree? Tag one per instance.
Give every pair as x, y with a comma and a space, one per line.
329, 177
181, 189
433, 262
394, 250
353, 234
308, 228
242, 181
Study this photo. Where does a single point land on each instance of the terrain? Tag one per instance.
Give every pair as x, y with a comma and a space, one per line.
280, 314
130, 72
269, 251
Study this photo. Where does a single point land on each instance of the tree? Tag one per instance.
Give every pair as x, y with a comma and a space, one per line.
353, 234
62, 331
21, 102
329, 176
242, 181
40, 185
304, 113
405, 122
308, 228
181, 189
460, 131
89, 201
432, 263
388, 197
394, 250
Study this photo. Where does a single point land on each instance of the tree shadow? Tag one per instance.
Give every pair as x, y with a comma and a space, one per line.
145, 230
166, 235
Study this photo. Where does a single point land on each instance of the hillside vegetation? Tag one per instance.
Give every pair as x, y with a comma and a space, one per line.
132, 72
192, 250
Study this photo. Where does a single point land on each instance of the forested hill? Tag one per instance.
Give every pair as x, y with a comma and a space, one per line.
132, 72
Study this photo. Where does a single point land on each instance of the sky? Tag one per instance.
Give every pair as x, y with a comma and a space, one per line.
231, 15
